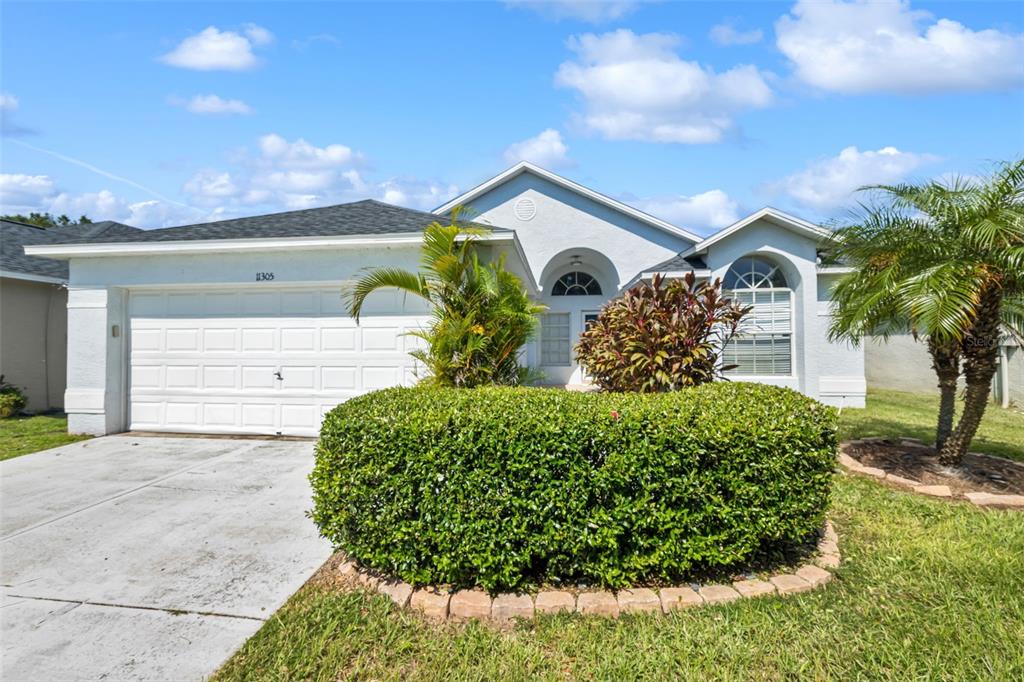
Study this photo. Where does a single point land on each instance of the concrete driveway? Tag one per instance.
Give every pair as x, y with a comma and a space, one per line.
148, 558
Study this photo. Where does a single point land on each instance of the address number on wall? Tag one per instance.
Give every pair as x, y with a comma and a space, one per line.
264, 276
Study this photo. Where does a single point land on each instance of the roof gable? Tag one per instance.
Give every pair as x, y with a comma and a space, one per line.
526, 167
773, 215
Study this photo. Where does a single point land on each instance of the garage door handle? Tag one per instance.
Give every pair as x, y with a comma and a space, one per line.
278, 375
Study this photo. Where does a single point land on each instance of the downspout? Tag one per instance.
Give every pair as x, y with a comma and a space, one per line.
46, 346
1004, 377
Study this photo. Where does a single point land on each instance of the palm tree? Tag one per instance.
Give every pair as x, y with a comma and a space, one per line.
945, 261
481, 316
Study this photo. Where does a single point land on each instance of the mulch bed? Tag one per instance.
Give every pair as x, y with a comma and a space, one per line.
919, 462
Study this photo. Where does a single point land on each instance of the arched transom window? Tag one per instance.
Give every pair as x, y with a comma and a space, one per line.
576, 284
764, 344
754, 273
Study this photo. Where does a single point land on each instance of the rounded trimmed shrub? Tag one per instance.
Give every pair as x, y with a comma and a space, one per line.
509, 487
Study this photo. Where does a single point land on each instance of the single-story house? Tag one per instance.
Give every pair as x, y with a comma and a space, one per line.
33, 308
238, 326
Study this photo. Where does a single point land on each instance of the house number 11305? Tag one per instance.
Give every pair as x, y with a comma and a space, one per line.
264, 276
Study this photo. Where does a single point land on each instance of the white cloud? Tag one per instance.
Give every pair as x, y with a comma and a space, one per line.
21, 193
258, 35
8, 105
831, 183
421, 194
212, 49
212, 104
592, 11
284, 174
713, 209
18, 190
105, 205
302, 154
727, 34
635, 87
865, 47
210, 184
546, 149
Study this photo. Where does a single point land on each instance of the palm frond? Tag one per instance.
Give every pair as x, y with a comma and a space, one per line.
355, 294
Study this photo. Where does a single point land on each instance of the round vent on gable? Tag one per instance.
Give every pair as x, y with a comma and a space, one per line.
525, 209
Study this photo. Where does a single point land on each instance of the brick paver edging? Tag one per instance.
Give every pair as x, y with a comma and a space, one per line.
977, 498
443, 604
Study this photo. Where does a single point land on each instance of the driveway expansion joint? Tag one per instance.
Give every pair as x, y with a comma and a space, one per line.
136, 607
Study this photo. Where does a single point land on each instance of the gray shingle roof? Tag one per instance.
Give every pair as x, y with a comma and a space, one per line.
679, 264
14, 236
367, 217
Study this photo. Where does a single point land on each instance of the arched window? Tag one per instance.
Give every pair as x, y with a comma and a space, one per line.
576, 284
754, 273
764, 344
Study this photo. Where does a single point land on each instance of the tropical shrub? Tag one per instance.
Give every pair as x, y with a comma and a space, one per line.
660, 336
481, 316
12, 399
510, 487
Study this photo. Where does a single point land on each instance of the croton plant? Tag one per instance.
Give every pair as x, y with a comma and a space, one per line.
661, 336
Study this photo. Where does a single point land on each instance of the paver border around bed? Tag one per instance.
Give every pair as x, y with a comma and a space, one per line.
978, 498
462, 605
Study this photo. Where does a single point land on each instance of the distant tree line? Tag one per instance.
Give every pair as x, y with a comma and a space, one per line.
46, 219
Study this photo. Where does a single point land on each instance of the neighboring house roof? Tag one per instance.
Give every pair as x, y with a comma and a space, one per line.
466, 198
15, 236
104, 228
368, 217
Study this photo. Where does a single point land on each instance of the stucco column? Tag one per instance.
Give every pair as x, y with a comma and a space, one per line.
95, 393
808, 360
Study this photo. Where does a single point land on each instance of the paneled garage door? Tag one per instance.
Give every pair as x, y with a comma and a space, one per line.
271, 361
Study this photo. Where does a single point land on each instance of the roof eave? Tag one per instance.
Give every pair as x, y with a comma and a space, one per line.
198, 246
29, 277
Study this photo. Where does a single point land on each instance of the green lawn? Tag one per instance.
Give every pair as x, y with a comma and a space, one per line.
928, 590
892, 413
22, 435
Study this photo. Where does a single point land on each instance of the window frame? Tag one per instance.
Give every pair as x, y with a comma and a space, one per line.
790, 333
586, 287
568, 339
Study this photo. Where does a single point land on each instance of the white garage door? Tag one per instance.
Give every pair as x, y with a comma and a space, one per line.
271, 361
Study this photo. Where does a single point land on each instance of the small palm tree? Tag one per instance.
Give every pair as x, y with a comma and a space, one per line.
481, 316
945, 261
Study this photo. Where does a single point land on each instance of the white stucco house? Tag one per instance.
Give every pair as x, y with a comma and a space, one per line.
237, 326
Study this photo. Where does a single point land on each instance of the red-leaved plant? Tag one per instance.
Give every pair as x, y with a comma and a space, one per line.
660, 336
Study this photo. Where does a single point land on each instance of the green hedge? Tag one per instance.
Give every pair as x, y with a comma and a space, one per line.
510, 487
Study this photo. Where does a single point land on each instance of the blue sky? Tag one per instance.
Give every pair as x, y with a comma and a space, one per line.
159, 114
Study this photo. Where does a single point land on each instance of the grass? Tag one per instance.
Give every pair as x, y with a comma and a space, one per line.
928, 590
893, 413
23, 435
